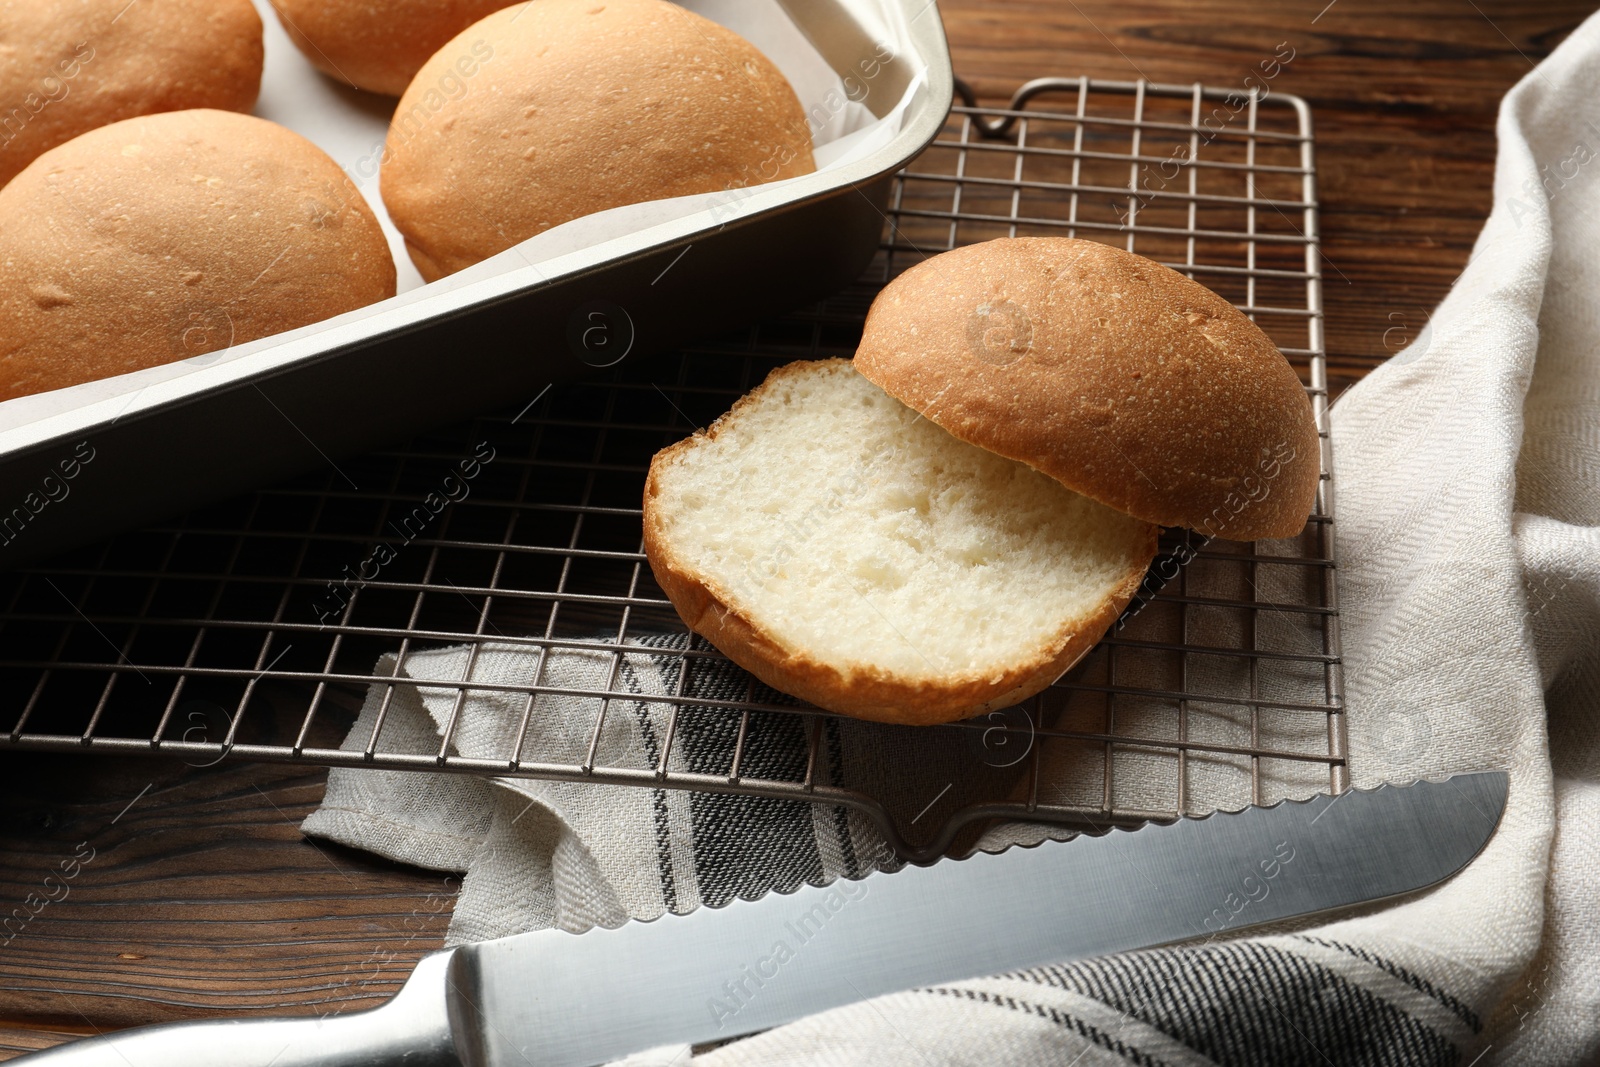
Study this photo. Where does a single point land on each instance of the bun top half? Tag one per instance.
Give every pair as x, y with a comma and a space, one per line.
1118, 377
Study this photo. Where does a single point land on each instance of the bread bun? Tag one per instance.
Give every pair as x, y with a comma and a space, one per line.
71, 66
377, 47
170, 236
548, 111
845, 550
1119, 378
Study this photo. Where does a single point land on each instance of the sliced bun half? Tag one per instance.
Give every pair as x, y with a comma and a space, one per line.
843, 549
1116, 376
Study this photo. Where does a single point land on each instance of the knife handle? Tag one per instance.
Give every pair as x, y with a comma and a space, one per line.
412, 1029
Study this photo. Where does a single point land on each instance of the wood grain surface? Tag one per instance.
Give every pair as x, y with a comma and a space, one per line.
142, 891
157, 891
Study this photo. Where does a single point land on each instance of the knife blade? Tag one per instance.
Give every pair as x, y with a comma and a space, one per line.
554, 999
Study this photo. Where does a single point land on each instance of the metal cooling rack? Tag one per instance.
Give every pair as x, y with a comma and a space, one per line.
203, 639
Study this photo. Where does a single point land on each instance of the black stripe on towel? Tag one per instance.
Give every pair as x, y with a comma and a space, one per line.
1246, 1004
744, 846
1415, 981
841, 817
1054, 1015
658, 797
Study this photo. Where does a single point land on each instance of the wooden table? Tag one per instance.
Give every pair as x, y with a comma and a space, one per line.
159, 891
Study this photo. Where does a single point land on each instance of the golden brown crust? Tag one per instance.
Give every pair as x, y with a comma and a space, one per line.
71, 66
875, 694
169, 236
543, 113
1122, 379
378, 47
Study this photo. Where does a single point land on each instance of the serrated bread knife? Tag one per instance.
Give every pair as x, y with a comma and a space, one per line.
553, 999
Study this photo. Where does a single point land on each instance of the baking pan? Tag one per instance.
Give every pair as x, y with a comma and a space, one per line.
78, 464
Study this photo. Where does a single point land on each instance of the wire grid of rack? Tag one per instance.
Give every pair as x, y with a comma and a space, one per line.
211, 637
